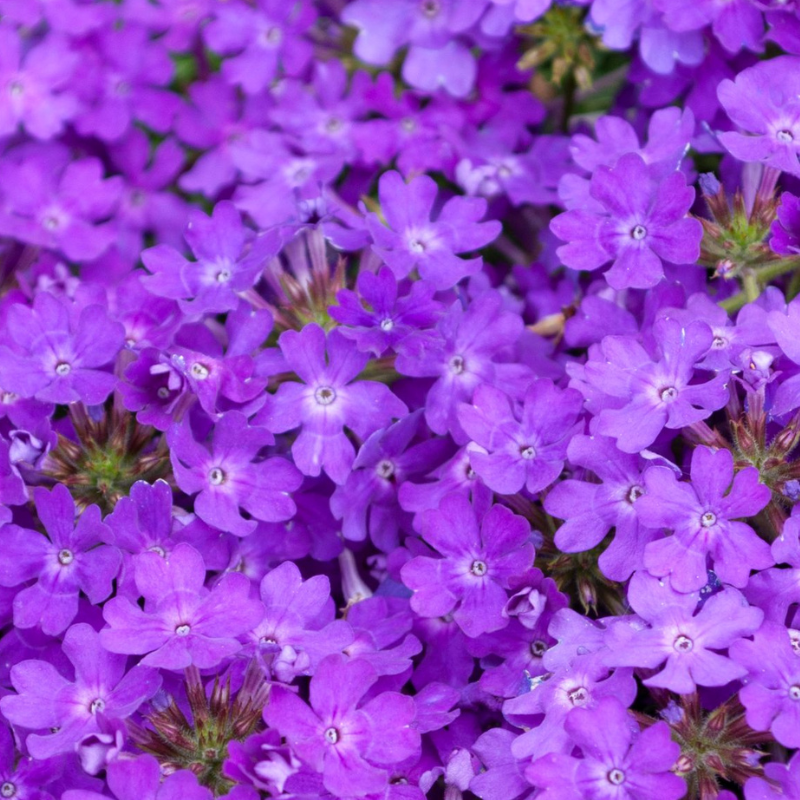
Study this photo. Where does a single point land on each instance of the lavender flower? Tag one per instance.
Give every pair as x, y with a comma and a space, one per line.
479, 557
634, 221
46, 699
328, 400
411, 240
349, 741
182, 622
702, 515
72, 558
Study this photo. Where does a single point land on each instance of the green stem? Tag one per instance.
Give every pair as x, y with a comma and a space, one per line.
751, 288
753, 282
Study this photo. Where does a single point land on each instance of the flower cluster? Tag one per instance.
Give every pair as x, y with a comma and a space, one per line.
399, 399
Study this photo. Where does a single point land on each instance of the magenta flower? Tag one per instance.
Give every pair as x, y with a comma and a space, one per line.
327, 401
46, 699
70, 559
410, 239
56, 352
634, 221
479, 556
182, 623
351, 743
703, 517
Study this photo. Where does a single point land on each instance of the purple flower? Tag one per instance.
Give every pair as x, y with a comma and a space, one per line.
464, 351
410, 239
262, 40
56, 351
669, 133
142, 779
682, 642
367, 502
46, 699
763, 102
478, 558
591, 510
29, 778
635, 221
228, 479
298, 629
435, 57
647, 394
122, 82
780, 780
582, 685
36, 85
70, 559
327, 401
228, 262
619, 761
786, 229
376, 319
57, 202
702, 516
525, 448
771, 693
182, 623
351, 743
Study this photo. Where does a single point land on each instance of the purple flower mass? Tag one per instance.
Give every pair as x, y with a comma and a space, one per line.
399, 399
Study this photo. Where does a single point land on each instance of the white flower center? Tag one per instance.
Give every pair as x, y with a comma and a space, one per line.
8, 789
784, 136
528, 452
794, 692
65, 557
199, 371
385, 468
578, 696
478, 568
183, 630
216, 476
387, 324
457, 365
331, 735
63, 369
634, 493
669, 393
538, 648
683, 644
616, 776
708, 519
97, 705
638, 232
325, 395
